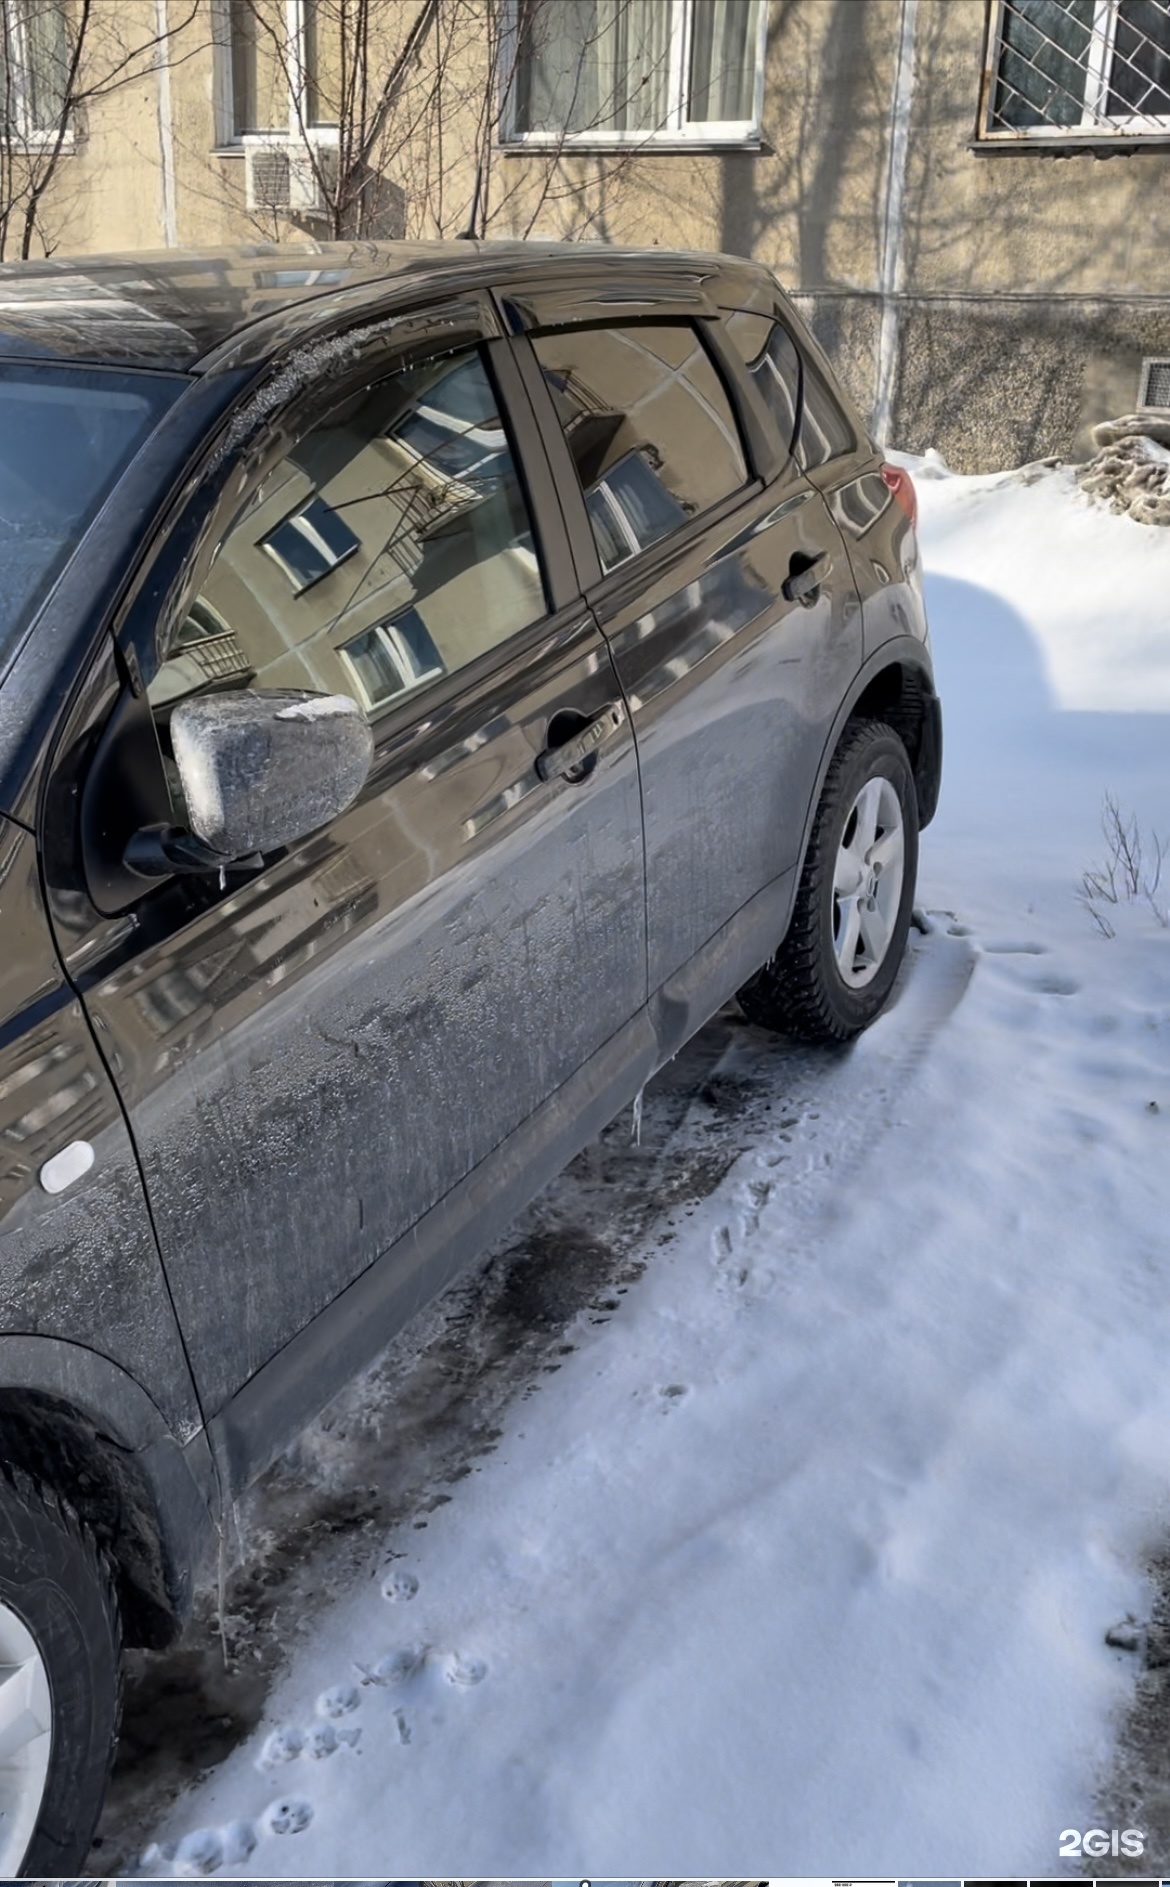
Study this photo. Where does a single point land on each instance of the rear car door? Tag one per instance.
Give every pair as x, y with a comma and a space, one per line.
313, 1052
726, 599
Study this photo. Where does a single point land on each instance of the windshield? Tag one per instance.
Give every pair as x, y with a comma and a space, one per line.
65, 435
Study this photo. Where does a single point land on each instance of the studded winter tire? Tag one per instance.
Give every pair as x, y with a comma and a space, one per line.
833, 974
59, 1682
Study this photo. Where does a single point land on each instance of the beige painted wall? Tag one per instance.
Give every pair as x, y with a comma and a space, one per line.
1019, 221
1051, 274
810, 203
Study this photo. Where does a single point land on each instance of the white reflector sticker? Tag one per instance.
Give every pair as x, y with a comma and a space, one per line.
67, 1166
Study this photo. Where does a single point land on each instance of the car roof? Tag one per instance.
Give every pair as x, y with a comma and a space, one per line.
169, 309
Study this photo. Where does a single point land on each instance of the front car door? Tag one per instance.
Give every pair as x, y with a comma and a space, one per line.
314, 1053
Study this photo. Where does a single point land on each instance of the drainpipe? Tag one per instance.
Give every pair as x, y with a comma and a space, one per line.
166, 139
890, 279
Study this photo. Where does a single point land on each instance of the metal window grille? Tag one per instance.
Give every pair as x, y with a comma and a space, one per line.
1069, 68
1155, 383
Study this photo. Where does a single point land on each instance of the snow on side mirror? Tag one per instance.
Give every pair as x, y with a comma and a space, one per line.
258, 770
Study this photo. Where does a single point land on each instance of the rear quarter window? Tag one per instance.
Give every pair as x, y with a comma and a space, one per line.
807, 414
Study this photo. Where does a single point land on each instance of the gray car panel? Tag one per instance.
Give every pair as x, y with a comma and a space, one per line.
80, 1266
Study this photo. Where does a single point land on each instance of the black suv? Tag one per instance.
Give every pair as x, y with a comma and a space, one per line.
432, 681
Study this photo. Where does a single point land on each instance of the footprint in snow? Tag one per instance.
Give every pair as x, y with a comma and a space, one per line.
338, 1701
1044, 982
289, 1815
397, 1667
290, 1743
199, 1853
205, 1850
283, 1746
465, 1671
400, 1585
735, 1276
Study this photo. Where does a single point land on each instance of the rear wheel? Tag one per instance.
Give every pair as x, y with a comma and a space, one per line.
833, 974
59, 1682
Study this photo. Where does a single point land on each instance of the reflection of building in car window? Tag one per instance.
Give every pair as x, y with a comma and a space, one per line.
455, 427
310, 544
390, 548
206, 656
392, 657
776, 372
629, 508
649, 426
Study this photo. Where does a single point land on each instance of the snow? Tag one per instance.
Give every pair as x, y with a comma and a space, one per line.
317, 708
803, 1562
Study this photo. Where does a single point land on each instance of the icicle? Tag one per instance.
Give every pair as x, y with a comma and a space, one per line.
223, 877
637, 1133
221, 1595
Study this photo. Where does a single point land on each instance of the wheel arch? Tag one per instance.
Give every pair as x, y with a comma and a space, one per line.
74, 1421
895, 685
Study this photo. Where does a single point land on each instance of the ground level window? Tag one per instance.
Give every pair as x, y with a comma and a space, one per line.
1089, 67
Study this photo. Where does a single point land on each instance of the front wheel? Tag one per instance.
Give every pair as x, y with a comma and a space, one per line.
59, 1682
833, 974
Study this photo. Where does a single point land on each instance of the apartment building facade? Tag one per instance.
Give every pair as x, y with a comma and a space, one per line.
969, 198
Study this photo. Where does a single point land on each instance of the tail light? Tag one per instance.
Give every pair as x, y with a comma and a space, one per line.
902, 486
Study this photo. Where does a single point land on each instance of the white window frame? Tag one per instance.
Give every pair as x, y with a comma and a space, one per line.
299, 131
21, 131
678, 132
1098, 71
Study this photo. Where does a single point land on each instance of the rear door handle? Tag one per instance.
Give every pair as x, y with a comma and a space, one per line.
568, 757
801, 586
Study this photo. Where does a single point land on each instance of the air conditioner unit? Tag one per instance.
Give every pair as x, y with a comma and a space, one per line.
289, 175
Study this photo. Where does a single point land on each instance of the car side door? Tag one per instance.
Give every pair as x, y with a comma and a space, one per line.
315, 1049
721, 584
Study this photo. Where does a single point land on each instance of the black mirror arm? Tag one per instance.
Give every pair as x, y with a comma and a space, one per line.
160, 851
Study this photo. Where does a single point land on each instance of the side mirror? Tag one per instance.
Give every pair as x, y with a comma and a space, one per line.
258, 770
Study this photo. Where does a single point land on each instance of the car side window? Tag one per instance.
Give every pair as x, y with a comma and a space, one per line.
649, 425
770, 356
391, 547
791, 383
825, 433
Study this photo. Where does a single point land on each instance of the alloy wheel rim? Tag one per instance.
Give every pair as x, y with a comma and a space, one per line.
868, 875
26, 1726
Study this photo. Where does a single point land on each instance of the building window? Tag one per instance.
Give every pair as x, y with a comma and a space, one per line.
284, 60
35, 54
1096, 69
633, 71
